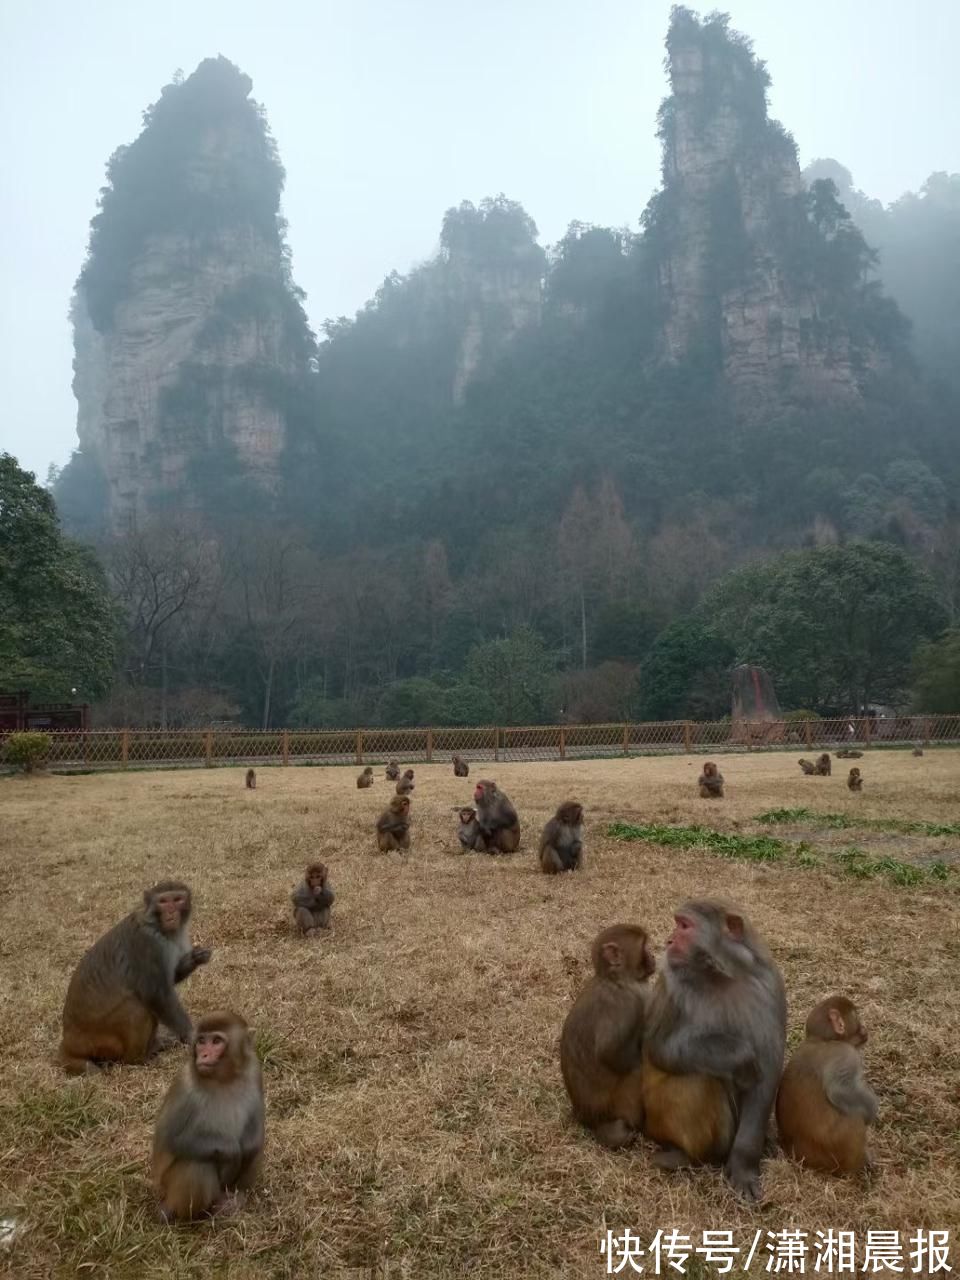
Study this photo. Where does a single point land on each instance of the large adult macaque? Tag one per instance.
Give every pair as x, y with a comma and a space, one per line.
561, 842
405, 783
209, 1135
125, 984
714, 1044
825, 1104
824, 765
602, 1038
393, 825
499, 824
312, 900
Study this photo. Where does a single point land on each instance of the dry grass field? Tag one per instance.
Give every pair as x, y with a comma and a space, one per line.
416, 1121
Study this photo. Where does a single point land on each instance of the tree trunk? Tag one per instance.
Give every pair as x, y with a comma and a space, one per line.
164, 686
267, 691
583, 627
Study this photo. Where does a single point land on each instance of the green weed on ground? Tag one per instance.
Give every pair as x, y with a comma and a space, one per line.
745, 848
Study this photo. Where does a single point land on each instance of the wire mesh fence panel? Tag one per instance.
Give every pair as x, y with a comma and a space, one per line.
378, 745
669, 735
132, 748
322, 746
536, 742
470, 743
581, 741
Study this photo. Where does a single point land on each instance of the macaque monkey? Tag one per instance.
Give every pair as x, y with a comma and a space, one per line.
561, 843
366, 778
808, 767
918, 750
209, 1136
846, 753
251, 780
460, 767
469, 833
714, 1045
312, 900
602, 1038
823, 765
710, 782
854, 780
825, 1104
392, 771
125, 984
497, 817
393, 825
405, 783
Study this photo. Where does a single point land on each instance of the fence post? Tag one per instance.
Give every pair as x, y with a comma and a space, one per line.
359, 746
285, 746
125, 747
808, 734
429, 745
496, 744
626, 739
926, 731
208, 749
687, 726
866, 731
563, 742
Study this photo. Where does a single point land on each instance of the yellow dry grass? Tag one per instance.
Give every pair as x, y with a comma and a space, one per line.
417, 1124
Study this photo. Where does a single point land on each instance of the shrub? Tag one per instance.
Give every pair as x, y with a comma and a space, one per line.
27, 751
797, 717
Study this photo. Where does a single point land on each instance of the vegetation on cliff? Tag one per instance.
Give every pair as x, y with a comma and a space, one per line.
555, 531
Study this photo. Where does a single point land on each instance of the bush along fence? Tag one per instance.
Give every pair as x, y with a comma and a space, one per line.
130, 748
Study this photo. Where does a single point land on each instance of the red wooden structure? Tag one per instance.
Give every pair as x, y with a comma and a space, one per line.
17, 714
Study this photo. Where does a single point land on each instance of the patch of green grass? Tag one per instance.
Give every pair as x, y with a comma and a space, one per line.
851, 862
751, 848
845, 821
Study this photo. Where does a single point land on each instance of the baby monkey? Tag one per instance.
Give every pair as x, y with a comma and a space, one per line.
825, 1104
312, 900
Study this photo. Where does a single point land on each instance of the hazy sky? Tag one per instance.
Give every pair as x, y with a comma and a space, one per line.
386, 112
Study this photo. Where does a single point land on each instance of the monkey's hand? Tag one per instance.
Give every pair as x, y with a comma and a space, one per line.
200, 955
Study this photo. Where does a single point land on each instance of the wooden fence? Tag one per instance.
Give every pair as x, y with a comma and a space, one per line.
123, 748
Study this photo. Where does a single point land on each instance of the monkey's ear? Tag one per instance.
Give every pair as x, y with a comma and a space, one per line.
735, 927
612, 955
837, 1022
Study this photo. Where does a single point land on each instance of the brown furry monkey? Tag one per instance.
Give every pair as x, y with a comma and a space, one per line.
825, 1104
602, 1038
312, 900
210, 1131
561, 844
714, 1044
251, 780
125, 984
710, 782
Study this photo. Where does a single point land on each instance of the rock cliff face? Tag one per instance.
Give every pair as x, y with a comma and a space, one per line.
732, 230
495, 290
185, 322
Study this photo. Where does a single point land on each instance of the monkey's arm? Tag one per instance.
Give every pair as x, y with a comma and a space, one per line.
325, 898
151, 983
685, 1051
192, 960
302, 896
847, 1090
618, 1036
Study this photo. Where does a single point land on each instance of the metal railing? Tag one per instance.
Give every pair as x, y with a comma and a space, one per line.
131, 748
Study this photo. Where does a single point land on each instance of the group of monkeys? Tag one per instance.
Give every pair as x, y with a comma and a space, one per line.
821, 767
489, 825
695, 1063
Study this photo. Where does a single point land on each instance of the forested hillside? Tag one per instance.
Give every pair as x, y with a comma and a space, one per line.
523, 483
